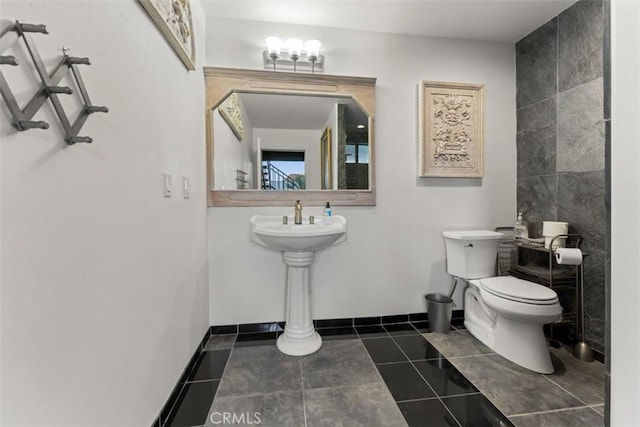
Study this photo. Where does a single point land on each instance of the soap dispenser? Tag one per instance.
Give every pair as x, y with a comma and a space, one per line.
520, 229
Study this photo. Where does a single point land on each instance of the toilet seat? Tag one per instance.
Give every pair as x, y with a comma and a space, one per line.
518, 290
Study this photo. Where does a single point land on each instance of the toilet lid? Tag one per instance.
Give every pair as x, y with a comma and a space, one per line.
519, 290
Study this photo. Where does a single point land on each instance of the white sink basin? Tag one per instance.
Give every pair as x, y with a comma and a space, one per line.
298, 244
269, 231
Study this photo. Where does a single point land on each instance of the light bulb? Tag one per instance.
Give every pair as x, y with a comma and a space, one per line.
274, 45
294, 46
312, 47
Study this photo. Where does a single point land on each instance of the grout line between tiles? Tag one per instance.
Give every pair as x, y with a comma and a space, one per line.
399, 332
565, 390
594, 405
469, 356
392, 363
304, 402
427, 359
368, 326
380, 379
402, 335
437, 397
550, 411
226, 365
417, 400
173, 407
463, 394
204, 381
593, 408
424, 379
406, 361
330, 387
375, 338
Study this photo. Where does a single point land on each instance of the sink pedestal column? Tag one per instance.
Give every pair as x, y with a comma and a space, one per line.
299, 337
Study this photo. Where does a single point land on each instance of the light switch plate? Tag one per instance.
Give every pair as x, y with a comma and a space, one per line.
167, 184
186, 187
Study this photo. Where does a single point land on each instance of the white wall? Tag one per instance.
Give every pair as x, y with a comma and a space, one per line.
104, 281
625, 211
232, 154
394, 253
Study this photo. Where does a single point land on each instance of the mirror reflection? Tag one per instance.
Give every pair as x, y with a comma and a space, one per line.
272, 141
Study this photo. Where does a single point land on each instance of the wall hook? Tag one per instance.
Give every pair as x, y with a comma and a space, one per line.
49, 88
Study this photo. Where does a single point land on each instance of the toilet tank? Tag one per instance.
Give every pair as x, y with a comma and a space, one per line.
472, 254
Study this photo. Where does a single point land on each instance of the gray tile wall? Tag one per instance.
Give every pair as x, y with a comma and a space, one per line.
561, 139
606, 65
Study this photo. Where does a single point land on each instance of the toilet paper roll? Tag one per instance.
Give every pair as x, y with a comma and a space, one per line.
569, 256
554, 228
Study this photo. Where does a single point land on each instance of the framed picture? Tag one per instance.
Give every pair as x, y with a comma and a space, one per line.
173, 18
325, 160
451, 130
231, 112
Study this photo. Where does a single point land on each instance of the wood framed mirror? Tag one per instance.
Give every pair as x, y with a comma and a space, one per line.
320, 123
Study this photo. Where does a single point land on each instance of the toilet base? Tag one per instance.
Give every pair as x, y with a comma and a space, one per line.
522, 343
528, 350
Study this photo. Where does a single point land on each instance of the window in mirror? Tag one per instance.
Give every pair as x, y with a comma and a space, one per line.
356, 166
363, 154
283, 170
350, 153
357, 153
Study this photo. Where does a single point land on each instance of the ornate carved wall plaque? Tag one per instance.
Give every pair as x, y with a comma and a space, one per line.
451, 130
173, 19
232, 114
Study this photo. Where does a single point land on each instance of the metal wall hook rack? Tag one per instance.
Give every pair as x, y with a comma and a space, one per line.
49, 89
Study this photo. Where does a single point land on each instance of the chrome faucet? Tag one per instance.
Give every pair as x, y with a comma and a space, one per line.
297, 219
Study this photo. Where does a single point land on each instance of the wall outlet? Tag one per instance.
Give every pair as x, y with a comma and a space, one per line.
186, 187
166, 184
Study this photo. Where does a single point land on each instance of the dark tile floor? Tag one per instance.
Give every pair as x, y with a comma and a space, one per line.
572, 396
368, 375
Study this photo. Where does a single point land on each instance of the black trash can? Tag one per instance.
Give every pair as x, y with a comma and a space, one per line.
439, 308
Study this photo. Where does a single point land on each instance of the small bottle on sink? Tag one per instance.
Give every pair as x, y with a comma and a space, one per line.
326, 216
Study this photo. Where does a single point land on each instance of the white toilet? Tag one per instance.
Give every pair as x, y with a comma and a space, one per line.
506, 313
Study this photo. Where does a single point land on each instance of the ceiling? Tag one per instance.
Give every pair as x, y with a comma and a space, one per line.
488, 20
277, 111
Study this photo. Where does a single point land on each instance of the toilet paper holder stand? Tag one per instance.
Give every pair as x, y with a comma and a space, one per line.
560, 278
582, 349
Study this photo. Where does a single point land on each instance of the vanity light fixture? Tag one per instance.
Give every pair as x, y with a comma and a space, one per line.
293, 54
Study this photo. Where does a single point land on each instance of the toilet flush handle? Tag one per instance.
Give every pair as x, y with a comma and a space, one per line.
468, 245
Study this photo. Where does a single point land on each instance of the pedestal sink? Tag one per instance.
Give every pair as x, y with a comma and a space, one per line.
298, 244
